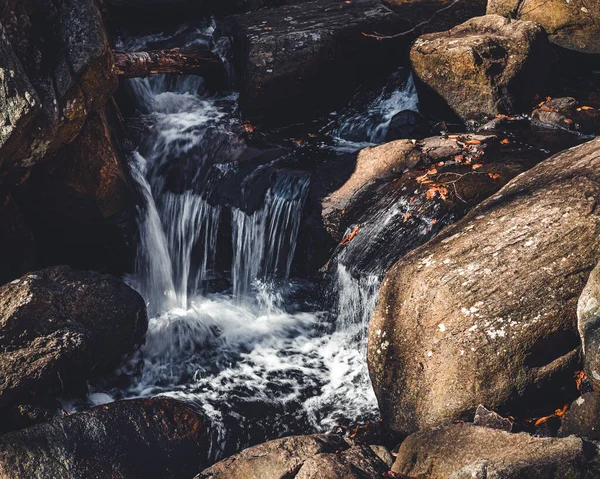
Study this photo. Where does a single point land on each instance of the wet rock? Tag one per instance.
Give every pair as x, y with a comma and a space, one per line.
459, 321
59, 327
17, 246
159, 438
318, 456
568, 114
80, 203
62, 69
465, 451
487, 66
582, 418
407, 124
299, 61
572, 25
588, 323
486, 418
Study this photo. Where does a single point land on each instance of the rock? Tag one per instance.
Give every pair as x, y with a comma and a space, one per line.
59, 327
384, 454
459, 321
317, 456
464, 451
159, 438
582, 418
588, 324
487, 66
568, 114
299, 61
486, 418
407, 124
80, 203
17, 246
62, 63
572, 25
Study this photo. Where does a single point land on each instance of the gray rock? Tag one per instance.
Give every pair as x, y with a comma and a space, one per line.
486, 418
582, 418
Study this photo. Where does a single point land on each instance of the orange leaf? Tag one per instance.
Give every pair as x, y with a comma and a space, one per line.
406, 217
476, 166
506, 141
472, 142
494, 176
351, 236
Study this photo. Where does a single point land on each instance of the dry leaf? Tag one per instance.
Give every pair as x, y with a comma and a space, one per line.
494, 176
351, 236
476, 166
506, 141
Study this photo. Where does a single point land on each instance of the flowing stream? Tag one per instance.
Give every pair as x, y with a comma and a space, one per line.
231, 332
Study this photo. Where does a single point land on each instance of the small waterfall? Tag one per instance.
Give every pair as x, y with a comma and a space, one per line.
265, 241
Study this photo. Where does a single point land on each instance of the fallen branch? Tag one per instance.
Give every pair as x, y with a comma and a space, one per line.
194, 62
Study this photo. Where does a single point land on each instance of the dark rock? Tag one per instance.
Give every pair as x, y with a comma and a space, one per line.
155, 438
572, 25
588, 323
318, 456
465, 451
459, 321
487, 66
80, 203
486, 418
582, 418
568, 114
62, 64
17, 246
59, 327
299, 61
407, 124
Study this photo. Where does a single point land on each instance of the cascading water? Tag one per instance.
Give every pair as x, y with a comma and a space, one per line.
257, 360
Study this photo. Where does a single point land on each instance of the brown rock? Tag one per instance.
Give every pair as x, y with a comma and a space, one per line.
59, 327
486, 418
567, 113
582, 418
465, 451
573, 25
487, 66
460, 320
588, 324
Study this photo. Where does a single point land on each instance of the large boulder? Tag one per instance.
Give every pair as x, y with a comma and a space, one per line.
80, 202
464, 451
155, 438
573, 25
17, 245
56, 67
459, 320
487, 66
59, 327
583, 417
299, 61
302, 457
588, 324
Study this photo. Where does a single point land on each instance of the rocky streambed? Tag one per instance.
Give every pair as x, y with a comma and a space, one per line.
312, 239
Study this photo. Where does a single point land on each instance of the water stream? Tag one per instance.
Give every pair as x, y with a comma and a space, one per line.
231, 332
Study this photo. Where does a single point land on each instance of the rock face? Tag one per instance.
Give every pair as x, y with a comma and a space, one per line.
159, 438
588, 324
56, 67
566, 113
298, 61
459, 320
17, 246
487, 66
301, 457
80, 203
572, 25
582, 418
465, 451
59, 327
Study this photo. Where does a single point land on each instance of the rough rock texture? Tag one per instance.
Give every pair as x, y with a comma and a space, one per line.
485, 313
59, 327
155, 438
486, 418
299, 61
80, 203
588, 324
17, 246
582, 418
573, 25
487, 66
568, 114
61, 66
407, 124
465, 451
318, 456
